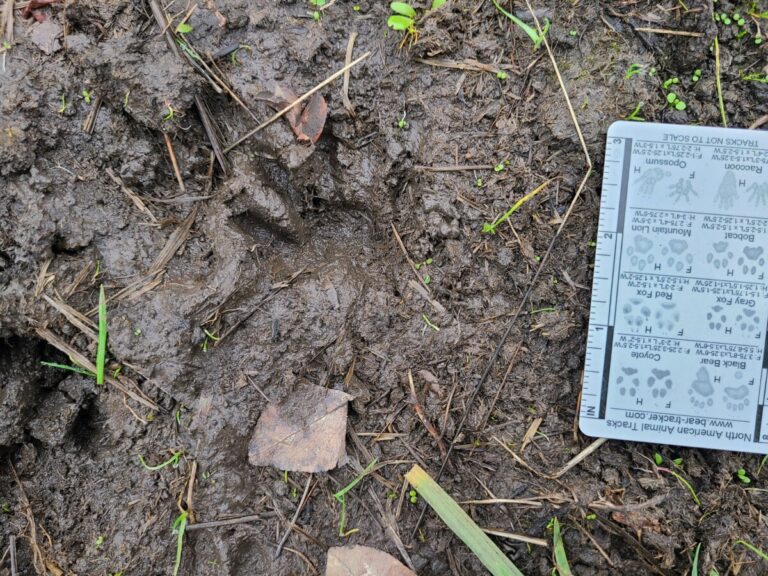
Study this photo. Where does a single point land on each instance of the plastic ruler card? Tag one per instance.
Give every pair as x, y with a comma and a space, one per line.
677, 327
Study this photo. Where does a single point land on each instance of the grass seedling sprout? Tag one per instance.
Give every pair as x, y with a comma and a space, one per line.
179, 527
86, 96
695, 561
491, 228
754, 549
535, 37
633, 70
101, 350
76, 369
461, 524
172, 461
561, 559
340, 497
429, 323
683, 482
718, 84
63, 104
634, 114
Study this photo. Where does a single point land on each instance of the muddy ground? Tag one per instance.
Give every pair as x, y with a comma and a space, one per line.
290, 259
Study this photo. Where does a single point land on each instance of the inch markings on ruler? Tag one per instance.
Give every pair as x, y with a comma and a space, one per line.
678, 323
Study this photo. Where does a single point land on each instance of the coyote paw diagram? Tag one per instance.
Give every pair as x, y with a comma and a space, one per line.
636, 313
719, 257
682, 189
726, 194
676, 256
659, 382
648, 180
630, 388
639, 252
752, 262
759, 194
701, 390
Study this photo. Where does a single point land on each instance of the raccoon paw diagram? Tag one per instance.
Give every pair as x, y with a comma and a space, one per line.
676, 256
628, 386
719, 256
735, 397
638, 253
659, 382
701, 390
758, 194
752, 262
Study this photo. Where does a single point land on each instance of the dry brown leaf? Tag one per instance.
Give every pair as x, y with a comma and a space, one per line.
308, 123
363, 561
303, 433
532, 429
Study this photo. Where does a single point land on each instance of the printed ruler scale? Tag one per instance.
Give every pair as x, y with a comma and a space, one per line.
679, 315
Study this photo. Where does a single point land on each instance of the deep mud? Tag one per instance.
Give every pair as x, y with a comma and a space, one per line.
294, 246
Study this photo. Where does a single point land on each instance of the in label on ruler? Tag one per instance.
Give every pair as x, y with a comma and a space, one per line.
676, 351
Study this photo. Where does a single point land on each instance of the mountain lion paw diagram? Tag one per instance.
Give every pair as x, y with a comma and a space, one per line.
676, 253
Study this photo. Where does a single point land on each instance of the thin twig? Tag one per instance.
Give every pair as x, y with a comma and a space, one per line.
290, 106
454, 168
131, 195
295, 516
12, 548
545, 258
759, 122
211, 132
419, 409
345, 86
718, 84
228, 522
671, 32
518, 537
90, 120
38, 560
174, 162
408, 259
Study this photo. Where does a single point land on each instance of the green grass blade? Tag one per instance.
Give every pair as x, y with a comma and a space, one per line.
754, 549
403, 8
695, 563
461, 524
77, 369
561, 560
532, 34
101, 351
179, 528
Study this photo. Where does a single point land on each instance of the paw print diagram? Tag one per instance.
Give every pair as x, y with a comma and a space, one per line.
636, 313
667, 317
719, 257
701, 390
632, 382
726, 194
677, 259
759, 194
639, 252
752, 262
659, 382
735, 397
682, 189
748, 321
648, 180
717, 318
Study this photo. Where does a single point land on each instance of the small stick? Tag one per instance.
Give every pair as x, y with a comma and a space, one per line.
210, 130
300, 99
174, 162
408, 258
345, 87
671, 32
455, 168
131, 194
759, 122
90, 120
519, 537
718, 84
7, 21
228, 522
419, 409
295, 516
12, 546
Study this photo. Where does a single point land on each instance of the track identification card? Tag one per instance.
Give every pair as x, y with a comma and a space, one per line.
676, 351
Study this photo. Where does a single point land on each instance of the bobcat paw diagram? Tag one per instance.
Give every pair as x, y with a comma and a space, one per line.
720, 257
752, 262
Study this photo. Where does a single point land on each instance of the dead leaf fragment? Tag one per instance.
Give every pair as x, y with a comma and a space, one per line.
363, 561
302, 433
308, 123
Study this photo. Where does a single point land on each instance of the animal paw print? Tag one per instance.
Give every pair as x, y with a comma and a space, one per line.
666, 317
636, 314
701, 390
735, 397
752, 262
675, 253
638, 252
659, 383
717, 318
719, 257
630, 388
747, 321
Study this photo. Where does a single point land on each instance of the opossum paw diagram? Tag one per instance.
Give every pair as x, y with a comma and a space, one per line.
659, 383
682, 190
647, 181
719, 256
636, 314
717, 318
747, 321
638, 252
752, 262
735, 397
666, 317
701, 390
628, 386
676, 254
